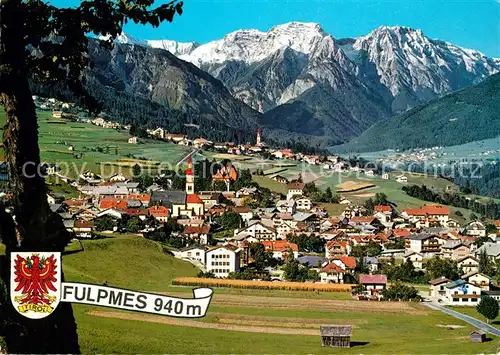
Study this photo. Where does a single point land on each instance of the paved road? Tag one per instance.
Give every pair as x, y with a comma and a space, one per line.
473, 321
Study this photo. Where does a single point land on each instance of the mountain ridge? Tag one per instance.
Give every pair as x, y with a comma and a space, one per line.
349, 83
441, 122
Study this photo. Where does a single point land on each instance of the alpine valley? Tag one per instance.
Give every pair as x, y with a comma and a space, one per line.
296, 81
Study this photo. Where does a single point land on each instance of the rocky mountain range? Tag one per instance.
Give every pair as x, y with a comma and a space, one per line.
302, 80
305, 81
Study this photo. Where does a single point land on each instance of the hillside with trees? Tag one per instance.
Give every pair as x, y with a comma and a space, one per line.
466, 115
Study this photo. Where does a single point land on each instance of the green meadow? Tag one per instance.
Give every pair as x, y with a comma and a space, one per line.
101, 150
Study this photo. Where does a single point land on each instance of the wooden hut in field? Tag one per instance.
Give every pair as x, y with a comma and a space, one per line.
336, 335
478, 336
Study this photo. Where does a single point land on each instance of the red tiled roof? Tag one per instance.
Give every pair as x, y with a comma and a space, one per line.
159, 211
334, 220
204, 229
280, 245
332, 268
333, 243
428, 210
81, 223
295, 186
216, 210
193, 198
438, 281
136, 211
241, 209
349, 261
400, 232
381, 208
108, 202
373, 279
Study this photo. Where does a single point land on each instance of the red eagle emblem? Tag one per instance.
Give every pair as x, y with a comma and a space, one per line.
35, 278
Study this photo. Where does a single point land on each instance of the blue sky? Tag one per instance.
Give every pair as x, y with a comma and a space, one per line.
472, 24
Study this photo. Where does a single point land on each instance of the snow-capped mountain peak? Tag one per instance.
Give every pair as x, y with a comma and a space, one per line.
251, 46
406, 59
174, 47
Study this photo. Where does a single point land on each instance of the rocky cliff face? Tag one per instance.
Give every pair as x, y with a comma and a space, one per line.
162, 78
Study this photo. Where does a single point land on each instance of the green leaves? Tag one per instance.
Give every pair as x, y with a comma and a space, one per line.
488, 307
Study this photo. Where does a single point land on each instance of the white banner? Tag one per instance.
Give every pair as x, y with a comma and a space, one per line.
138, 301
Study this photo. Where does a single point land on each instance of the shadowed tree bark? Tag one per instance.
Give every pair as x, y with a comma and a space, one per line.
41, 42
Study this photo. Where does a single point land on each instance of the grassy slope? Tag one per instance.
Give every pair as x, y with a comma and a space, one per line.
124, 261
82, 135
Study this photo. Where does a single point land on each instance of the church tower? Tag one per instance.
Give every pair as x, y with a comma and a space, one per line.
190, 176
258, 136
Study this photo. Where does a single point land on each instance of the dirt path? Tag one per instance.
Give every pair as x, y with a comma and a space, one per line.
198, 324
263, 302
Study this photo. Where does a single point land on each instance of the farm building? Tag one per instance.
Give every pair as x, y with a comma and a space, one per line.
477, 336
336, 335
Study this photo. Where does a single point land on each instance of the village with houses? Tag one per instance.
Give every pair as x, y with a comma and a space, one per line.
357, 246
237, 230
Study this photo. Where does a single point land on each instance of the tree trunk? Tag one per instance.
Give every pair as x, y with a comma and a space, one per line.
39, 228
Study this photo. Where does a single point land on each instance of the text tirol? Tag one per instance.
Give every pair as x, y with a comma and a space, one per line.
138, 301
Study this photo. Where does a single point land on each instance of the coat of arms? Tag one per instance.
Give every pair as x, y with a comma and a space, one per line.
35, 283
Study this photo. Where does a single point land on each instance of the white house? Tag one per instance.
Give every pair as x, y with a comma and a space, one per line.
478, 279
373, 285
257, 230
492, 250
416, 258
427, 215
437, 289
133, 140
424, 243
245, 213
286, 206
194, 252
475, 228
303, 203
295, 188
402, 179
468, 264
460, 292
223, 260
330, 272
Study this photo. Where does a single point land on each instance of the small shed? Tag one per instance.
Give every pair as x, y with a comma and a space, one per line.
477, 336
336, 335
